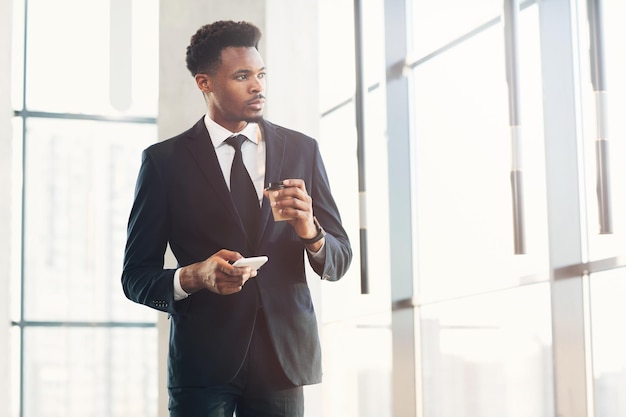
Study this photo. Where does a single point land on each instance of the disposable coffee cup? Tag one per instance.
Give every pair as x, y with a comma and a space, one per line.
274, 186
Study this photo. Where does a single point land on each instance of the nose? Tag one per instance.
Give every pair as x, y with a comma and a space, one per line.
258, 85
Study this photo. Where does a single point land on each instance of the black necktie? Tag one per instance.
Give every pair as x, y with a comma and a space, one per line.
243, 192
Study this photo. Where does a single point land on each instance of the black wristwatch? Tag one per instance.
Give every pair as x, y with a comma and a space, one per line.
320, 234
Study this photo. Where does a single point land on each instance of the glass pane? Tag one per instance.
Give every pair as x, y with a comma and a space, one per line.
15, 273
374, 42
17, 55
463, 153
377, 199
489, 356
354, 384
357, 368
437, 23
336, 46
606, 245
78, 64
79, 182
100, 372
609, 342
338, 147
614, 12
14, 369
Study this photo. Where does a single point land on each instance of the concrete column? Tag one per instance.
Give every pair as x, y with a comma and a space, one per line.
405, 312
566, 234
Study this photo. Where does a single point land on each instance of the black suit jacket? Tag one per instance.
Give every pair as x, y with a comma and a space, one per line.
181, 199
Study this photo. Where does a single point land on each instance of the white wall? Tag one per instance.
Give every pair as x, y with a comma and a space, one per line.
180, 102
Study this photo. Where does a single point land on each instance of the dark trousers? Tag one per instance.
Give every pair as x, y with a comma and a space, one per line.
260, 389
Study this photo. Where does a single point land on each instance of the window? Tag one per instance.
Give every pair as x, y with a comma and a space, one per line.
478, 343
356, 339
462, 142
85, 107
489, 325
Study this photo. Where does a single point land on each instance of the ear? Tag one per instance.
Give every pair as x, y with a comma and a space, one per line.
203, 81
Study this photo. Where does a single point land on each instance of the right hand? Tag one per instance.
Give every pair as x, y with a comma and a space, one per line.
216, 274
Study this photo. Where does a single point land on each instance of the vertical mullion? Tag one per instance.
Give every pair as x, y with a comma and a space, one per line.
598, 81
360, 97
565, 203
511, 35
22, 216
405, 320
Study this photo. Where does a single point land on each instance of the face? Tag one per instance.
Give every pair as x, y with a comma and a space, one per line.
235, 93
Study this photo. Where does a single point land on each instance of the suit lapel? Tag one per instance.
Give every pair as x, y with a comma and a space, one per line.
274, 157
203, 153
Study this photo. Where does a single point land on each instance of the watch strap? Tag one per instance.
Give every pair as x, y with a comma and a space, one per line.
320, 234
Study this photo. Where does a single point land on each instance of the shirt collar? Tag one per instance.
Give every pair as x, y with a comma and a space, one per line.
219, 133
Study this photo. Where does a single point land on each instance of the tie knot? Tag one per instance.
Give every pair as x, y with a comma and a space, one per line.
236, 141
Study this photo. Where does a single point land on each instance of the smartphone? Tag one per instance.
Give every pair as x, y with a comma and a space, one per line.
255, 262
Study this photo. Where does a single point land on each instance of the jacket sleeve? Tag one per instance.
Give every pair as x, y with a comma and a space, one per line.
337, 248
143, 278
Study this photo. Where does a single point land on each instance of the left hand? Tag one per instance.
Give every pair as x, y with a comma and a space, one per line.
294, 202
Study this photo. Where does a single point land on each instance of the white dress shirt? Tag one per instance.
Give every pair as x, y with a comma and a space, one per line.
253, 154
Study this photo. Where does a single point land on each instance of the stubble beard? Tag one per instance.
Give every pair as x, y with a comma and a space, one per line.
254, 119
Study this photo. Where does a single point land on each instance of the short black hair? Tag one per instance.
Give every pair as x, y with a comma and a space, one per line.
204, 50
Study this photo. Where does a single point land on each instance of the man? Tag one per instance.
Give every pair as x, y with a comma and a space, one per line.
242, 341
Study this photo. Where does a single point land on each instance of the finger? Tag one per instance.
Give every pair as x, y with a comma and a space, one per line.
231, 289
228, 269
229, 284
228, 255
298, 198
245, 273
295, 183
248, 274
303, 202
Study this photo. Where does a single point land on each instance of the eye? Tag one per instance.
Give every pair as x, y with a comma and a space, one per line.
262, 75
242, 77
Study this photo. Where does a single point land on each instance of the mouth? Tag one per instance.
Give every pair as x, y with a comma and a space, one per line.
257, 103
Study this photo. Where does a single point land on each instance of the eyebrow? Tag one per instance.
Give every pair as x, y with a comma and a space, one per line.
247, 71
